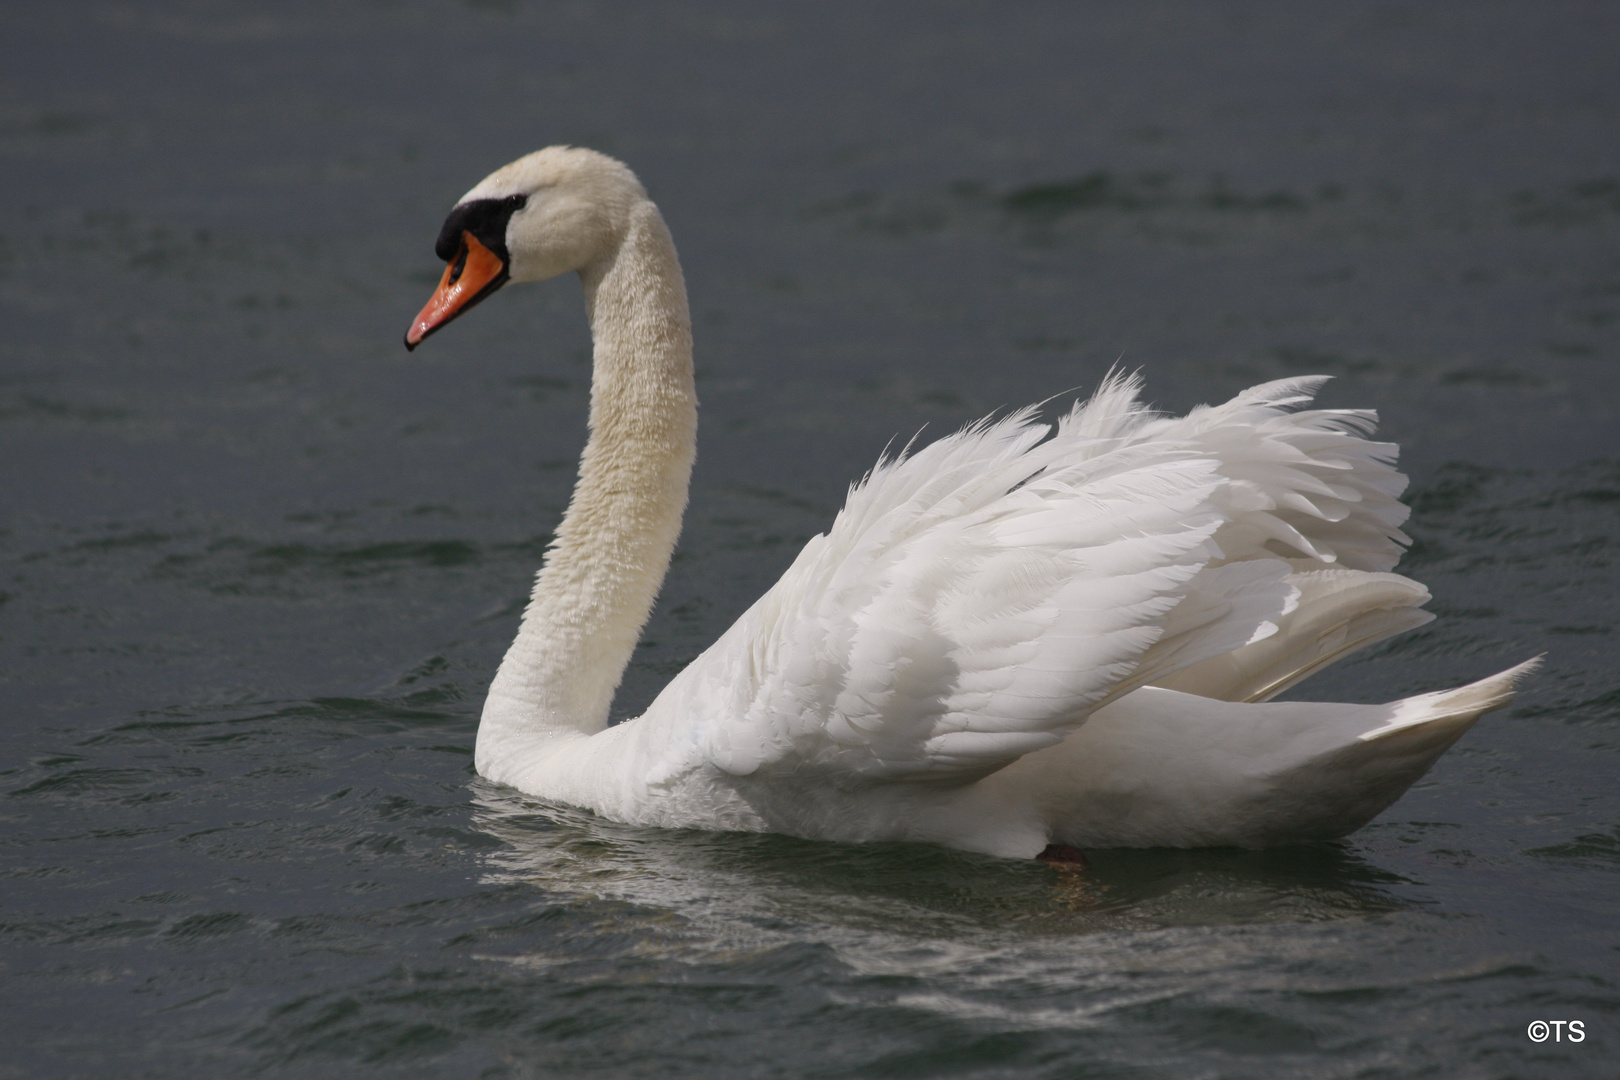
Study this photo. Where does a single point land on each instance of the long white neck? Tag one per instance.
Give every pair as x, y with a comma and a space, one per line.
603, 571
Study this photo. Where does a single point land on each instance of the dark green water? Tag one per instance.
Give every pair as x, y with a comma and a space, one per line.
257, 564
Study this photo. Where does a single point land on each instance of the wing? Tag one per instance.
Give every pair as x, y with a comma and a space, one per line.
977, 599
1303, 485
1338, 612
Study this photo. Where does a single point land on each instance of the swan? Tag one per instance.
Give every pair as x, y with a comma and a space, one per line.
1021, 640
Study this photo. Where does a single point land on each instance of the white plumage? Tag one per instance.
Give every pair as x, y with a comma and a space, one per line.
1016, 636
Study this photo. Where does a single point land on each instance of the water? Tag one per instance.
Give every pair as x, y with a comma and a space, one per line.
257, 564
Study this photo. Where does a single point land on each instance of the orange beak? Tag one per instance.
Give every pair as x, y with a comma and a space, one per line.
472, 275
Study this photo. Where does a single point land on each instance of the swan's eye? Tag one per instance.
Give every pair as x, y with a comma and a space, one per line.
516, 202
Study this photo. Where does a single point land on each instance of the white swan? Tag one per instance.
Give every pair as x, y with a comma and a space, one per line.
1014, 641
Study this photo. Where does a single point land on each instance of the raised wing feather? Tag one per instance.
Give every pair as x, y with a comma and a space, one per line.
977, 599
1305, 484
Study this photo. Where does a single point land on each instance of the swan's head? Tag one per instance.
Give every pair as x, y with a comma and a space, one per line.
558, 209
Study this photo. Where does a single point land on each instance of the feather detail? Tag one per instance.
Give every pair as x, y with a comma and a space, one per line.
979, 597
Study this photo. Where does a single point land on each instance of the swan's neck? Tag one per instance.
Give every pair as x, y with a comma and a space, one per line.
603, 571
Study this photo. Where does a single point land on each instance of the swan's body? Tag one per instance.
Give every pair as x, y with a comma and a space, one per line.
1011, 638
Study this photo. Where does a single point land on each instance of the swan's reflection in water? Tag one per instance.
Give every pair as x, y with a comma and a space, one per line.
722, 891
944, 945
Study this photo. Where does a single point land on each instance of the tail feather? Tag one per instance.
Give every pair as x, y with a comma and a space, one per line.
1462, 706
1161, 768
